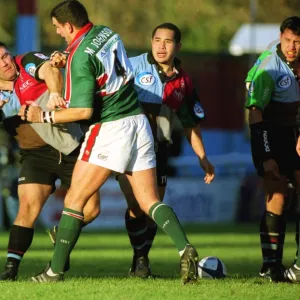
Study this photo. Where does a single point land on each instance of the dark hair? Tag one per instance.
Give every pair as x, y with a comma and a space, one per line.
292, 23
70, 11
3, 45
170, 26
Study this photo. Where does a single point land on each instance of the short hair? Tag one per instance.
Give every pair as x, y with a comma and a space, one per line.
3, 45
170, 26
70, 11
292, 23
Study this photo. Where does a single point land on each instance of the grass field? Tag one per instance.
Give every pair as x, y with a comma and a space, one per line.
101, 260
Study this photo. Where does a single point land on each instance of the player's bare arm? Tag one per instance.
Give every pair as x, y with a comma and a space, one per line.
58, 59
35, 114
194, 137
52, 77
54, 80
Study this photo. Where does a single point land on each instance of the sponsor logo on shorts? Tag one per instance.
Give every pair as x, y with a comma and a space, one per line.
284, 81
102, 157
30, 68
199, 112
21, 179
42, 56
146, 78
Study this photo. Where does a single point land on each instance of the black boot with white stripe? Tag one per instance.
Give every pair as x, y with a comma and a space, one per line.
292, 274
44, 277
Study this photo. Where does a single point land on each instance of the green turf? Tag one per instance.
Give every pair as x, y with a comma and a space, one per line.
100, 263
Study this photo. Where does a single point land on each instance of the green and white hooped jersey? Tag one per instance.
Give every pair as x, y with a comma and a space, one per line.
275, 90
99, 75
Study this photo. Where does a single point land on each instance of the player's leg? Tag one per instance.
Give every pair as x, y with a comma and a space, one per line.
272, 229
92, 208
162, 177
293, 272
145, 190
91, 211
86, 181
142, 178
273, 223
64, 173
32, 197
136, 226
105, 148
35, 186
141, 229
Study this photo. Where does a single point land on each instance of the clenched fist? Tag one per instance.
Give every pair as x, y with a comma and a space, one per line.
58, 59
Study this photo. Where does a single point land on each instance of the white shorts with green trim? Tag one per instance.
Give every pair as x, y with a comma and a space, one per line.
122, 145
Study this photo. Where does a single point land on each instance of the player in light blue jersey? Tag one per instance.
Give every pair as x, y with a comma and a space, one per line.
273, 102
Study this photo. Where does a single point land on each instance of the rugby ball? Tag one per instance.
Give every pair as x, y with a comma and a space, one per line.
211, 267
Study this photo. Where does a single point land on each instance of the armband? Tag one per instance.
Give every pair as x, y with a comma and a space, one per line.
259, 141
48, 117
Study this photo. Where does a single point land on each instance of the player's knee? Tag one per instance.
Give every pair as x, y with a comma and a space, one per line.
29, 212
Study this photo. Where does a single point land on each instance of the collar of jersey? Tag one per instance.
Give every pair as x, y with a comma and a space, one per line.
79, 36
162, 75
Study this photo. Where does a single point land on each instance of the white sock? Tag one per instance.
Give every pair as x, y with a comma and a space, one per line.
296, 267
182, 251
51, 273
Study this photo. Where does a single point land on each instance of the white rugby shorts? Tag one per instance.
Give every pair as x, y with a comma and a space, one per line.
122, 145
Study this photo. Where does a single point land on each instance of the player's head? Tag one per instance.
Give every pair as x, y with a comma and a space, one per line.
166, 42
68, 17
8, 68
290, 38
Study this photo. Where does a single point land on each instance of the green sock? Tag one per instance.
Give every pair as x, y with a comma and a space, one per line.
166, 219
69, 230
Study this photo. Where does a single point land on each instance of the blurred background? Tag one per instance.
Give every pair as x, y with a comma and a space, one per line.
220, 42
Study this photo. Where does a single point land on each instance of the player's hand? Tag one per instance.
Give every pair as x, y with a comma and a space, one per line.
3, 102
55, 100
209, 170
271, 169
298, 146
58, 59
30, 112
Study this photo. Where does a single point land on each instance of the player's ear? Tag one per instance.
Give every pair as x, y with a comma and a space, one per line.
69, 27
178, 46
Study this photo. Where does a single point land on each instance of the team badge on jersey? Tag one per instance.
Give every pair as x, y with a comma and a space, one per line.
198, 110
145, 78
41, 56
284, 81
30, 69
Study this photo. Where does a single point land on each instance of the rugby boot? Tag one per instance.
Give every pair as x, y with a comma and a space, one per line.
43, 277
189, 265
